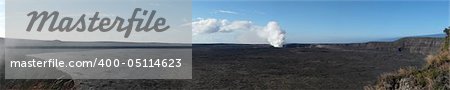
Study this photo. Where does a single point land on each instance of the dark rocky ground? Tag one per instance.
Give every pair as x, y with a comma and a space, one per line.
258, 67
263, 67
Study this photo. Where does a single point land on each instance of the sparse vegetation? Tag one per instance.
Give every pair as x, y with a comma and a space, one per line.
435, 75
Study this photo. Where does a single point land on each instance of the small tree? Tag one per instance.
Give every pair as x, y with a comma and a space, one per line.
447, 39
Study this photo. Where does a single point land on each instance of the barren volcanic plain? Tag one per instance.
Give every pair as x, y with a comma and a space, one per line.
245, 66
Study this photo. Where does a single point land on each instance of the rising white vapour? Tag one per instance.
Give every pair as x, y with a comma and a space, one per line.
272, 32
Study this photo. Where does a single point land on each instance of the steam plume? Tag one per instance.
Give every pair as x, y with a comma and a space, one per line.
274, 34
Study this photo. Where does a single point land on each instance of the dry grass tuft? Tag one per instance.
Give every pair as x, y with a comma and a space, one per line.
435, 75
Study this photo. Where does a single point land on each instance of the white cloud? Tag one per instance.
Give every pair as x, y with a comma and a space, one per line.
271, 33
205, 26
226, 12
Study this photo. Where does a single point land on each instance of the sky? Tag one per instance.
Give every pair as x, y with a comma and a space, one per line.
2, 18
329, 21
325, 21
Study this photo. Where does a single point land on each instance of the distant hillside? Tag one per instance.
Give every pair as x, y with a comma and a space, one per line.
422, 36
423, 45
25, 43
420, 44
434, 36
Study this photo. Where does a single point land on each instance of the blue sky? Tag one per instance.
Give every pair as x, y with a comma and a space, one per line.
334, 21
325, 21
